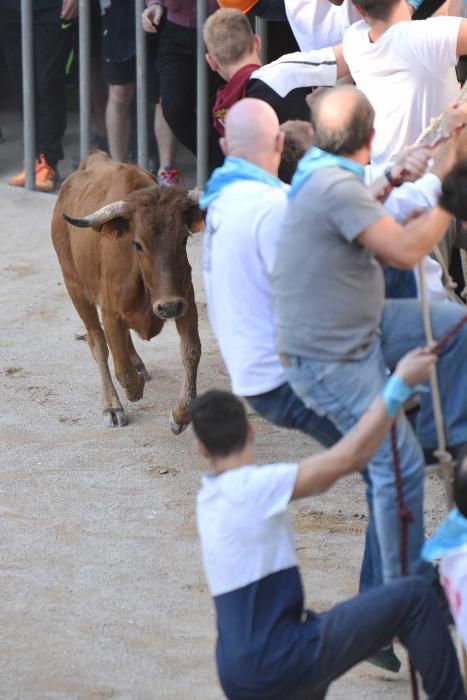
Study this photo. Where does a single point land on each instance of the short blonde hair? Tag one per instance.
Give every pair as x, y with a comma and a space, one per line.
228, 36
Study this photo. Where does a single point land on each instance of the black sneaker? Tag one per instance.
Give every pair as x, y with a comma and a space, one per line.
385, 658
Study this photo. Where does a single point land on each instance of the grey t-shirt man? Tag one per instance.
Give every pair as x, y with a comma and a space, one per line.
328, 289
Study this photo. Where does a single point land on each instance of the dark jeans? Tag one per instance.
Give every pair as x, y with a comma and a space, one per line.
400, 284
354, 630
282, 407
52, 45
177, 70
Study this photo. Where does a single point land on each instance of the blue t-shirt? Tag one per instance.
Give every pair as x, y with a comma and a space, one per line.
265, 638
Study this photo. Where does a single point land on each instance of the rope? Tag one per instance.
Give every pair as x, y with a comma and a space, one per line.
434, 125
443, 457
448, 283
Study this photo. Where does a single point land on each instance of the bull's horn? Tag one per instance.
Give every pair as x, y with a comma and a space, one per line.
101, 216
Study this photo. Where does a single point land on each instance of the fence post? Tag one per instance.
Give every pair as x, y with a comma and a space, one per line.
84, 77
29, 130
141, 87
202, 99
261, 29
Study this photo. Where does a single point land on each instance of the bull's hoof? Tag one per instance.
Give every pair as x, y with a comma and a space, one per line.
115, 418
175, 427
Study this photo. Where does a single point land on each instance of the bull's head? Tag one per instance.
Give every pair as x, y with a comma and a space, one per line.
158, 221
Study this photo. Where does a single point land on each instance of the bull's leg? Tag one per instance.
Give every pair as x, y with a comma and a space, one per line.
116, 333
137, 361
190, 347
114, 415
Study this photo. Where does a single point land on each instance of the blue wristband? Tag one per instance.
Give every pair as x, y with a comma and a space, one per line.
396, 392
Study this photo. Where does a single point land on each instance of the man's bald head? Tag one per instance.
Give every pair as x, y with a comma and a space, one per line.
343, 119
252, 131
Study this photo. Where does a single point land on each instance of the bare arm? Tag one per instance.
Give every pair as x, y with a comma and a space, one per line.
461, 49
341, 65
352, 452
405, 246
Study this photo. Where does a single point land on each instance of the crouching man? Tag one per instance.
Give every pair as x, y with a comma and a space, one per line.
269, 646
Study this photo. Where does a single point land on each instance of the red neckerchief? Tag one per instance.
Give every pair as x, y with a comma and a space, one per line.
229, 94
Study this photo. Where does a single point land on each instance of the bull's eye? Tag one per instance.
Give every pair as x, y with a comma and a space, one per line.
138, 246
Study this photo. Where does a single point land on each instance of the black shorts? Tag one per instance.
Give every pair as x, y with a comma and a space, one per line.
120, 72
154, 87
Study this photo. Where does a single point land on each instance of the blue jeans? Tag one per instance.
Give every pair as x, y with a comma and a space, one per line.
282, 407
354, 630
343, 390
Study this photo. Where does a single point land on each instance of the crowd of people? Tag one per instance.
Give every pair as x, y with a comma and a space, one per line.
314, 231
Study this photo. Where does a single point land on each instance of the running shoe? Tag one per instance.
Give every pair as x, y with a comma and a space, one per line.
168, 176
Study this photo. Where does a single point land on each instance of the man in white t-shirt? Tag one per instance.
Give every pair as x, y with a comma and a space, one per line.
269, 645
405, 68
317, 24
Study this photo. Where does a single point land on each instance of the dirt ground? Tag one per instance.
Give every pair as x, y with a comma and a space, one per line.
102, 593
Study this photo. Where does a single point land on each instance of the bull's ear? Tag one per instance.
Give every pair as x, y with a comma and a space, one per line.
194, 217
114, 228
196, 220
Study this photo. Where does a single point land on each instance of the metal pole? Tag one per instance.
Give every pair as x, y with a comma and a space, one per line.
202, 99
261, 29
84, 76
141, 87
29, 134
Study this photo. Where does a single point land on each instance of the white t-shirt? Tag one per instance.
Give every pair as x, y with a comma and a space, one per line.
317, 24
408, 75
244, 526
242, 228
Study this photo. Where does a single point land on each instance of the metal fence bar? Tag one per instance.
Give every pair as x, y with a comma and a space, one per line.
29, 132
261, 29
141, 87
202, 99
84, 76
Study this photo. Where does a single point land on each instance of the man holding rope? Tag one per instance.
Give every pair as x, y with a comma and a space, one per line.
336, 334
405, 68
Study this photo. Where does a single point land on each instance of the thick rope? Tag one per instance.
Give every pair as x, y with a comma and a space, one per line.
434, 125
442, 455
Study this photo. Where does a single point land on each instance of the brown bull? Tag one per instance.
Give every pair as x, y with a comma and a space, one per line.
132, 263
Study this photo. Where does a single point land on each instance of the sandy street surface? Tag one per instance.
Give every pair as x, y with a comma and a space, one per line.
102, 593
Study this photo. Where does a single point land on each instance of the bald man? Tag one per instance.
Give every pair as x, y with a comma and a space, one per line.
246, 202
336, 334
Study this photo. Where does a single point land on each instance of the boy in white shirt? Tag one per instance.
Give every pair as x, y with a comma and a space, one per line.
405, 68
269, 646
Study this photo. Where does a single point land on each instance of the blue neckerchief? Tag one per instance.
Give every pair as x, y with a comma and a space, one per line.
232, 170
451, 534
315, 159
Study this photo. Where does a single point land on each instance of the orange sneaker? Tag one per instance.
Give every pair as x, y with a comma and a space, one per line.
18, 180
46, 176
